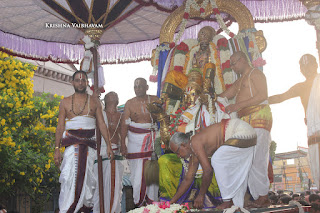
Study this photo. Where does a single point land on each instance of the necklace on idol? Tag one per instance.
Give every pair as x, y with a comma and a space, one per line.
82, 108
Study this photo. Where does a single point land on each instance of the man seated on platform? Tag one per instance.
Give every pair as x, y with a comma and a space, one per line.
251, 105
308, 91
138, 124
76, 131
112, 170
230, 143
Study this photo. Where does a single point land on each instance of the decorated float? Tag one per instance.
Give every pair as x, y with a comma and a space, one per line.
181, 80
190, 74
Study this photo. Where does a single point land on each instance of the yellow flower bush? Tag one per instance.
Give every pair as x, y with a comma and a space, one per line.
27, 127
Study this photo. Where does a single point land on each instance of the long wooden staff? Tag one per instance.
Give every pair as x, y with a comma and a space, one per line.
98, 134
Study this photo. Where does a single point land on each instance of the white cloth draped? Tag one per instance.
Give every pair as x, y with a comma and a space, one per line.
314, 159
231, 167
232, 164
258, 182
106, 169
137, 143
313, 125
103, 148
196, 117
313, 110
69, 167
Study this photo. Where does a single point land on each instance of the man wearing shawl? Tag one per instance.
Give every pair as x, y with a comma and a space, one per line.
137, 124
251, 105
231, 145
76, 132
309, 93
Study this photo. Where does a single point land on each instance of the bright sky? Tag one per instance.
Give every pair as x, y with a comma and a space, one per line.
287, 42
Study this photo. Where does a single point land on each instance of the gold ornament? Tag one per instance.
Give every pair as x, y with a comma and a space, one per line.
310, 3
233, 7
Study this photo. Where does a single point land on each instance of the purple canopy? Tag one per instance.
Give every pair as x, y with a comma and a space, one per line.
51, 29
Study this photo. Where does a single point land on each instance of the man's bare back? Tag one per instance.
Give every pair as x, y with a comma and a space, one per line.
208, 141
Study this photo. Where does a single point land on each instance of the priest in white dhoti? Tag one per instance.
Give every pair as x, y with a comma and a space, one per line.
309, 93
112, 170
76, 132
231, 145
313, 124
137, 124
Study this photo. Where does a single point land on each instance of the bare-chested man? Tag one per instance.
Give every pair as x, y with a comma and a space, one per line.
308, 91
76, 131
112, 181
138, 125
251, 104
231, 145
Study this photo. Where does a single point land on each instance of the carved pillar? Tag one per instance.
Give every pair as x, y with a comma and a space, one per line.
313, 18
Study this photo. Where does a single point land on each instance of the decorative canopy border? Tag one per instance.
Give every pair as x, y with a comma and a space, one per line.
262, 11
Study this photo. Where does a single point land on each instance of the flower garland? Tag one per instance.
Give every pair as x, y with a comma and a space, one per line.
257, 60
175, 119
212, 114
185, 164
155, 61
163, 207
216, 12
225, 54
193, 4
181, 53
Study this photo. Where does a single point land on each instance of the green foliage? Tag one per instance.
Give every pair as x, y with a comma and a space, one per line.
272, 150
27, 127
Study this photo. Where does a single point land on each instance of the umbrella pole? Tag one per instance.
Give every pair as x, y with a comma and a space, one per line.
98, 135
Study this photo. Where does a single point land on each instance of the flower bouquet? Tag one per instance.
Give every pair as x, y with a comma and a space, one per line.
163, 207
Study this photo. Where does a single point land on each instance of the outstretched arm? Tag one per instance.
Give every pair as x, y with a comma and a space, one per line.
188, 179
291, 93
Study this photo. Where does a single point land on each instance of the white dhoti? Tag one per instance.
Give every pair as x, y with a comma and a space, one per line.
231, 163
314, 159
77, 177
140, 147
112, 183
258, 182
260, 118
313, 124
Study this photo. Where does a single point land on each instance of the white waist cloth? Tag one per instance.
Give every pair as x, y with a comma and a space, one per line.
232, 164
258, 182
313, 125
107, 168
314, 162
80, 122
239, 129
313, 110
103, 149
69, 168
231, 167
140, 143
